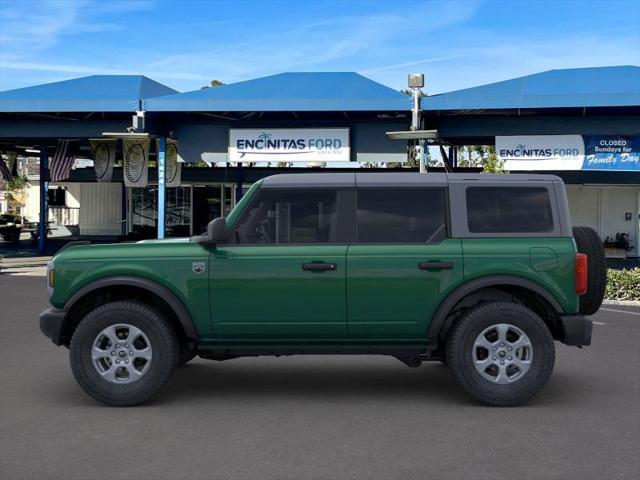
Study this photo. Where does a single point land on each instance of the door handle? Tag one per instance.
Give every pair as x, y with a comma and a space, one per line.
435, 265
319, 267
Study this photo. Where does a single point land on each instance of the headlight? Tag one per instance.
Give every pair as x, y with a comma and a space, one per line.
50, 278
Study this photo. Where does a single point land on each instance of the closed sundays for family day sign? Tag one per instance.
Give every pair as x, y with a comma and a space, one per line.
569, 152
612, 153
289, 145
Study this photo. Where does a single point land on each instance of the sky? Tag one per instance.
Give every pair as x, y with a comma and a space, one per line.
185, 44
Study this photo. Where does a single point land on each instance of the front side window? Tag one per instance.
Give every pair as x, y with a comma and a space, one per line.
509, 210
289, 216
401, 215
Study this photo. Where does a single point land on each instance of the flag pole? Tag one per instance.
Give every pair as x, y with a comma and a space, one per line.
44, 199
162, 182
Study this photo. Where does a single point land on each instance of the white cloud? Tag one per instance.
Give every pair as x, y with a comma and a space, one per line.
89, 70
503, 57
436, 37
41, 29
31, 27
408, 64
352, 42
316, 45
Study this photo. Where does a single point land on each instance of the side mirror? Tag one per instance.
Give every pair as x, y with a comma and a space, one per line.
217, 230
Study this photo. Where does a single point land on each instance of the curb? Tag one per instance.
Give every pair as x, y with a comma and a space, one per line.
23, 264
629, 303
17, 263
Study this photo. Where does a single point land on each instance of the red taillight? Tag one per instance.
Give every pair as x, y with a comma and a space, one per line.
581, 273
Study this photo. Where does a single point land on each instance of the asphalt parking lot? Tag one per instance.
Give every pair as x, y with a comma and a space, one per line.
315, 417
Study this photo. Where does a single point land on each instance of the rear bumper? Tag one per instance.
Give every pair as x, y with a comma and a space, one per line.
52, 324
576, 330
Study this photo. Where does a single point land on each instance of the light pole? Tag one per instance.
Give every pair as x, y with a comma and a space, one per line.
416, 83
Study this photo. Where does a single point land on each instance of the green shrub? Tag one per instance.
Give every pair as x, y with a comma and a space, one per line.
623, 284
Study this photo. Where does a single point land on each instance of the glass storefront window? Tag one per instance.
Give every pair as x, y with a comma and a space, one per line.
189, 209
144, 212
228, 200
207, 205
178, 215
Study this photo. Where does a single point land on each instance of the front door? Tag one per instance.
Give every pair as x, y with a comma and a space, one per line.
402, 264
284, 276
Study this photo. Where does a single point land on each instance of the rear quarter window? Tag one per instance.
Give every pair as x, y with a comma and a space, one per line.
509, 210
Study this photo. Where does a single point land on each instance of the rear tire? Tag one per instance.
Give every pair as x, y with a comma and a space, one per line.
501, 353
123, 353
588, 242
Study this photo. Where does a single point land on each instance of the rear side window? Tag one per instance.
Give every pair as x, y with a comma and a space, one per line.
509, 210
394, 215
289, 216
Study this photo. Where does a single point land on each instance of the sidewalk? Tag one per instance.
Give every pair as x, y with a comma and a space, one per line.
8, 265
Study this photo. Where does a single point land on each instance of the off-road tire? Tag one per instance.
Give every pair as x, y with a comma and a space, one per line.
588, 242
161, 336
460, 347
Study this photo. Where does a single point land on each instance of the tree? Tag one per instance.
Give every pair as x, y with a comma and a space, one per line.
493, 164
15, 194
480, 156
408, 92
213, 83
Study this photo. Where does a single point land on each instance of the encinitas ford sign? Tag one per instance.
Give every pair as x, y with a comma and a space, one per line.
289, 145
541, 152
569, 152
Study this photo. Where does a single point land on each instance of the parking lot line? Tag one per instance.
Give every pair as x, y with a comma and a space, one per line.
620, 311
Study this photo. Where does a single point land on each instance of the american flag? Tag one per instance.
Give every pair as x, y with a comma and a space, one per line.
62, 161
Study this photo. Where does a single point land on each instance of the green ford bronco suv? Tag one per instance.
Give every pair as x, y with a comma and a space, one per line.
481, 272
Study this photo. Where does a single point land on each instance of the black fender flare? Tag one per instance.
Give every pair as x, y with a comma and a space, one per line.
440, 317
164, 293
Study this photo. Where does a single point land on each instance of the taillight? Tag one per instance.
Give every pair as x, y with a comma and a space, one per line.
581, 273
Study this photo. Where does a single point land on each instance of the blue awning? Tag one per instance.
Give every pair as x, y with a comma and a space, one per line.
96, 93
577, 87
288, 92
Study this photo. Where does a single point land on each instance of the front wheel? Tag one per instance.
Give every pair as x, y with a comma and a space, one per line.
502, 353
123, 353
186, 355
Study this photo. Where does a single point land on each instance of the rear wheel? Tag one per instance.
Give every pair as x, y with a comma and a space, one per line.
123, 353
588, 242
502, 353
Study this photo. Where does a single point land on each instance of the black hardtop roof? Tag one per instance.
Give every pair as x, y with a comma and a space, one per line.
393, 179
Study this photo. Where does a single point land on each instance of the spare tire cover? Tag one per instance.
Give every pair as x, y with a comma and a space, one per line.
588, 242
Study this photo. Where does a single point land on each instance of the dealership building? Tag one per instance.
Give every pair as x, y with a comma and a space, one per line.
212, 144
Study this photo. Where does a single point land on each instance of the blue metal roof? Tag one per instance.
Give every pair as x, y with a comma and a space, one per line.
576, 87
96, 93
306, 91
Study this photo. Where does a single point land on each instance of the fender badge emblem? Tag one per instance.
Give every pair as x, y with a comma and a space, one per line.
199, 267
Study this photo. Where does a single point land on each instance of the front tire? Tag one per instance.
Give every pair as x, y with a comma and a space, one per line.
502, 353
123, 353
186, 356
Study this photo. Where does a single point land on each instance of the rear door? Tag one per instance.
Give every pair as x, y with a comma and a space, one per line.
402, 264
284, 278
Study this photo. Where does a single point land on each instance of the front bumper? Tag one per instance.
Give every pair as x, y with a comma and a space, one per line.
52, 322
576, 330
